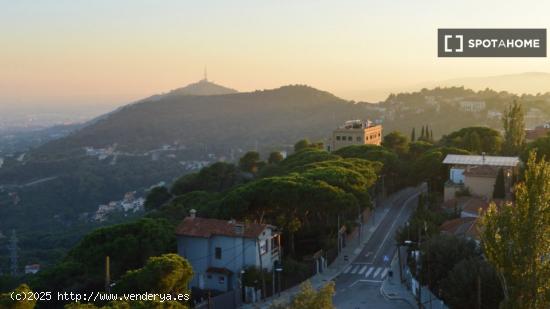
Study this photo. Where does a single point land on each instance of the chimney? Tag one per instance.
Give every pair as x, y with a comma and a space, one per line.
239, 228
192, 213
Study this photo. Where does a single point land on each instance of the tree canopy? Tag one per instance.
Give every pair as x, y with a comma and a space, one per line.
168, 273
516, 239
475, 140
514, 129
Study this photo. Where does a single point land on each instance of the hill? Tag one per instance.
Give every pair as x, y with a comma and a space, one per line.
52, 194
529, 82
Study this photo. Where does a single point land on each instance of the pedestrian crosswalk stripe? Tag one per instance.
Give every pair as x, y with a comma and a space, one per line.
363, 269
377, 272
347, 269
355, 269
385, 272
369, 271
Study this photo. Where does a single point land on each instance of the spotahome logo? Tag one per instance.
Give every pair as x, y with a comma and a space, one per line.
491, 42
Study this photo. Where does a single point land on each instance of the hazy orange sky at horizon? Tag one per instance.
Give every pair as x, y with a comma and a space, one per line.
112, 52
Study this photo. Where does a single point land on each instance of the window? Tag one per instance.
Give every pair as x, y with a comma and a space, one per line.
218, 253
349, 138
263, 247
221, 279
338, 137
358, 138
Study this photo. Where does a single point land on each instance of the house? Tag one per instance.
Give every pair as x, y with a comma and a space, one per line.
32, 269
355, 132
537, 132
466, 206
472, 106
477, 174
461, 227
220, 250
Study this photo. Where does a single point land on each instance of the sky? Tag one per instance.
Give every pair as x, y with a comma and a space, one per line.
107, 53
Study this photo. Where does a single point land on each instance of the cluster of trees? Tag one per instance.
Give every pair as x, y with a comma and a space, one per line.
452, 267
426, 134
128, 245
165, 274
516, 239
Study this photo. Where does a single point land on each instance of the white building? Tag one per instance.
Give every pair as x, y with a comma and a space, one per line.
472, 106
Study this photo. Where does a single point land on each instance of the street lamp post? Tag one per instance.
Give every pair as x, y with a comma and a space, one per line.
279, 270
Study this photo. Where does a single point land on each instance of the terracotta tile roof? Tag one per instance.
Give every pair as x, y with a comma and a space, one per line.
461, 227
474, 204
481, 171
219, 270
203, 227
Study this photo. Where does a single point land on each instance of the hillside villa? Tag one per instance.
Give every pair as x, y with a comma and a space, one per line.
220, 250
478, 174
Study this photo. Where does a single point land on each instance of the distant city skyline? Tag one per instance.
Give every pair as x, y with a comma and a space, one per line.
105, 54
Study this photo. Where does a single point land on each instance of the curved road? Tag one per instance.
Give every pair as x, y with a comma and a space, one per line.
358, 286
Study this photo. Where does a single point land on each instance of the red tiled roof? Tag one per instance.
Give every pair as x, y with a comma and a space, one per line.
203, 227
461, 227
481, 171
219, 270
473, 205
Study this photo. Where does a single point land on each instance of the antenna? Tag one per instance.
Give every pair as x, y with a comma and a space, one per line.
205, 74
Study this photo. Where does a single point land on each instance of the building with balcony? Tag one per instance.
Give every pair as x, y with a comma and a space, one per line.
219, 250
355, 132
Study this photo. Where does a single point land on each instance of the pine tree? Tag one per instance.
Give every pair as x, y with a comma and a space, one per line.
499, 191
413, 135
431, 135
422, 135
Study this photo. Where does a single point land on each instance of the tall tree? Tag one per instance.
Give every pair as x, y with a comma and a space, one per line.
422, 137
397, 142
514, 129
499, 191
249, 162
309, 298
302, 144
156, 197
472, 283
413, 135
7, 300
275, 157
516, 240
168, 273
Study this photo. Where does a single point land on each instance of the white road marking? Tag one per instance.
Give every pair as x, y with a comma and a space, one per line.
368, 272
347, 269
363, 269
378, 270
385, 272
355, 269
394, 222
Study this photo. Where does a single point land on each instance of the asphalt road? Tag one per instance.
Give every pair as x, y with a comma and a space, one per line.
358, 286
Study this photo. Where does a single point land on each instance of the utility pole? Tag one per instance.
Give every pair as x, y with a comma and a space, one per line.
478, 289
12, 247
400, 266
261, 268
107, 274
338, 235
